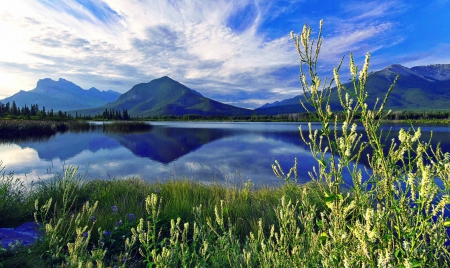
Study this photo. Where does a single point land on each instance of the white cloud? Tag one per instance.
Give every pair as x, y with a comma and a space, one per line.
184, 39
115, 44
437, 55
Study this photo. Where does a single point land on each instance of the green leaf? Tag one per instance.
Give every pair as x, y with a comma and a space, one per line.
331, 198
323, 236
447, 223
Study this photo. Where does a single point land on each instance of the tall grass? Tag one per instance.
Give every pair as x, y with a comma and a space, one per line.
12, 130
126, 127
37, 130
14, 205
80, 217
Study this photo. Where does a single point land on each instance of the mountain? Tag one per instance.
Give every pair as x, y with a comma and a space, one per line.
418, 88
165, 96
62, 95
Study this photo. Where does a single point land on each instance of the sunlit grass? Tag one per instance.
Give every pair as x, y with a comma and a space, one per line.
121, 203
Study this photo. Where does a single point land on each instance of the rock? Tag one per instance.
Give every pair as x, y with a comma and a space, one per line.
25, 235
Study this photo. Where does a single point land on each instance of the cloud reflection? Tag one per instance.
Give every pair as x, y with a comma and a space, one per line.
228, 155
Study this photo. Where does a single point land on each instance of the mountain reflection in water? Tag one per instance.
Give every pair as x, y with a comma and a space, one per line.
220, 152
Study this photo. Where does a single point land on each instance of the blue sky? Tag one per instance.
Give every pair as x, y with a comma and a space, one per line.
236, 51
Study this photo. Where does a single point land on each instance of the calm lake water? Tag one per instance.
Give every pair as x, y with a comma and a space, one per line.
206, 151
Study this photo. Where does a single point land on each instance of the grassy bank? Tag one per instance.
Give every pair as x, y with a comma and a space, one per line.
126, 127
20, 129
13, 130
213, 211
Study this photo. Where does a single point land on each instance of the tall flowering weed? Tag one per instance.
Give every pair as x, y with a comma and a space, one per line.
396, 217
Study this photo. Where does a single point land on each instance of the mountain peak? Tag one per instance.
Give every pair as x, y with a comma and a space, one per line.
164, 79
62, 95
439, 72
397, 69
62, 85
165, 96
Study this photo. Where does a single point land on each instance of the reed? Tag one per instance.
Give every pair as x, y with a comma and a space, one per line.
37, 130
126, 127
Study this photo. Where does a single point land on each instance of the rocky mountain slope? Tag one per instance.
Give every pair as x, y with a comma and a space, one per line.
418, 88
62, 95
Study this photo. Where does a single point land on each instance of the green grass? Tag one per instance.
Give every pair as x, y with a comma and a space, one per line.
121, 203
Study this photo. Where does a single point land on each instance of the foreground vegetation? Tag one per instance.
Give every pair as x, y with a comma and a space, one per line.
396, 218
97, 218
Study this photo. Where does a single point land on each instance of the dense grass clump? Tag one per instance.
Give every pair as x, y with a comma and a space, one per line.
40, 130
126, 127
12, 130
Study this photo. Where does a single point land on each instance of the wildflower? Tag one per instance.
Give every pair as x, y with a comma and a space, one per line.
131, 217
85, 236
353, 68
119, 223
363, 73
115, 209
106, 232
406, 245
416, 136
344, 126
92, 218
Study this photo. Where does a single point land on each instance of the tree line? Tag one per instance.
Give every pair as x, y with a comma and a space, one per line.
11, 110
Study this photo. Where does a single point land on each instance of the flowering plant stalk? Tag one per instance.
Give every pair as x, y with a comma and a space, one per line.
397, 216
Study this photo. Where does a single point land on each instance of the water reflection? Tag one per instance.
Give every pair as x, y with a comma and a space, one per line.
221, 152
165, 145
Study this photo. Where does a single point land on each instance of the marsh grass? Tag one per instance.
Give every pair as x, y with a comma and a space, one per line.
14, 204
41, 130
14, 130
126, 127
72, 209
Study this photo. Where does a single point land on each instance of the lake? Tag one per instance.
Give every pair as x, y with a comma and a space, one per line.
231, 153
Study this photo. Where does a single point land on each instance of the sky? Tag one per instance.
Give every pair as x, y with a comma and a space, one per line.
237, 52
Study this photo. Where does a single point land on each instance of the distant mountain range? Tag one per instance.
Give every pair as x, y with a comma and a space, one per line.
165, 96
62, 95
418, 88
